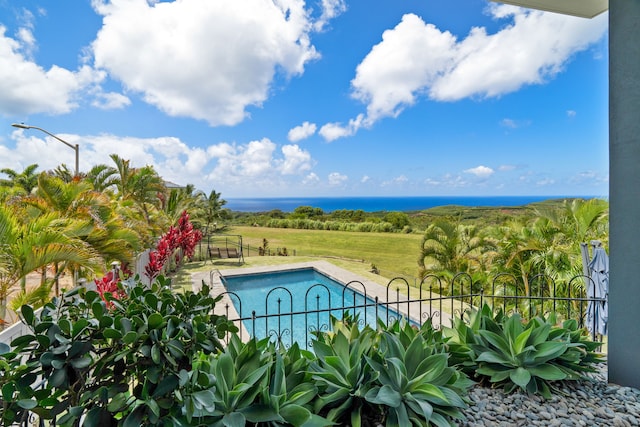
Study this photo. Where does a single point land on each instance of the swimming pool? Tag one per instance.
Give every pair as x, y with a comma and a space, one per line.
289, 305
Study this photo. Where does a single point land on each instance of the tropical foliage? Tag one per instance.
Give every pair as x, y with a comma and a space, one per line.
118, 361
55, 224
536, 253
153, 357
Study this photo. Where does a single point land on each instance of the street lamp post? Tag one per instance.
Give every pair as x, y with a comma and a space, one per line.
75, 147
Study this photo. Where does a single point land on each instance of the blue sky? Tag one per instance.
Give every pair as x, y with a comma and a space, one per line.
258, 98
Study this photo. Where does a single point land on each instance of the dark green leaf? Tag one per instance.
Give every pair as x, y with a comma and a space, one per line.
130, 337
58, 378
155, 354
155, 321
235, 419
548, 372
22, 340
27, 314
204, 398
134, 419
167, 385
111, 333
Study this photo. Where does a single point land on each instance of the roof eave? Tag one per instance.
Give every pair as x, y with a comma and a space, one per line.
581, 8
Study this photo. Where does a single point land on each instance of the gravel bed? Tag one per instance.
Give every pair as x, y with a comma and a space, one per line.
591, 402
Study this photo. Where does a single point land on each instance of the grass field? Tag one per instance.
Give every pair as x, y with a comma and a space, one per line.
393, 254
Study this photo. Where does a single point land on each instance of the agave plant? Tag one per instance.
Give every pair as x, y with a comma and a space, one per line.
291, 391
343, 375
415, 383
238, 375
522, 355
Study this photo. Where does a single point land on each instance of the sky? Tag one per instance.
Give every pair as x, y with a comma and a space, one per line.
279, 98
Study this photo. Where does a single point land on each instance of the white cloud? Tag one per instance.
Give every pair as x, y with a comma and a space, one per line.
330, 10
447, 181
506, 168
26, 88
588, 177
304, 131
295, 160
337, 179
28, 41
399, 180
365, 179
486, 66
545, 182
571, 113
25, 33
110, 101
409, 58
333, 131
311, 179
508, 123
482, 172
514, 124
417, 59
254, 165
203, 59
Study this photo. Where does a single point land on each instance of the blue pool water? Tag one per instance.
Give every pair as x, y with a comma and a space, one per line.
297, 291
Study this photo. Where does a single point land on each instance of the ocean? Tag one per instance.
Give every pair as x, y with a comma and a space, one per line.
376, 204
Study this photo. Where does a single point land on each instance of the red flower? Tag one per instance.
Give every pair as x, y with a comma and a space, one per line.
182, 237
110, 284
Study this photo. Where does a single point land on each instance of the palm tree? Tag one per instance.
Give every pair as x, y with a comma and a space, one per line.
102, 178
139, 193
521, 249
64, 173
579, 221
106, 232
450, 248
36, 243
182, 199
147, 189
26, 180
212, 210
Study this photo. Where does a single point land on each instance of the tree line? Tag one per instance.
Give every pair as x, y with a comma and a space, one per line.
544, 243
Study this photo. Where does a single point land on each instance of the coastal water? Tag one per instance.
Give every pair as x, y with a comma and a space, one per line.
376, 204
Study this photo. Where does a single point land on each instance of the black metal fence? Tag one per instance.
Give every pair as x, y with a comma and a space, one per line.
435, 299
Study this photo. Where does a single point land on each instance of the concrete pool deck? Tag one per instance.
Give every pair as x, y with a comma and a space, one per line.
414, 310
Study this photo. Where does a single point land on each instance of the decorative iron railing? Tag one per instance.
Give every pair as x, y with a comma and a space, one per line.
434, 300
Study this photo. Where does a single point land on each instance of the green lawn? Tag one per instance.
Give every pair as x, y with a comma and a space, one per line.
394, 254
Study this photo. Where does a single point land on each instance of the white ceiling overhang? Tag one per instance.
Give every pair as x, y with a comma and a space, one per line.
582, 8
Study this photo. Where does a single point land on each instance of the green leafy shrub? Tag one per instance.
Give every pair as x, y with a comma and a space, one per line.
522, 355
119, 361
16, 386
